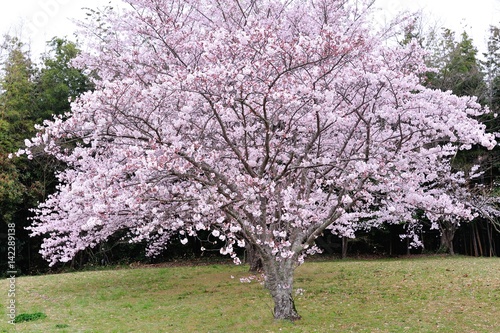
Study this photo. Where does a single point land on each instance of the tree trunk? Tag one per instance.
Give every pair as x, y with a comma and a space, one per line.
479, 242
253, 258
474, 241
447, 235
279, 282
345, 246
493, 251
490, 243
284, 306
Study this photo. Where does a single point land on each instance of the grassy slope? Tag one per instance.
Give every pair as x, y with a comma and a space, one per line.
436, 294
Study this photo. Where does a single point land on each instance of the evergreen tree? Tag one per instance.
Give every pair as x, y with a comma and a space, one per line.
491, 66
58, 82
17, 98
28, 96
458, 69
457, 66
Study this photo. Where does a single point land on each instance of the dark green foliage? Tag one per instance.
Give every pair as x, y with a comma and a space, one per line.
17, 90
29, 95
58, 82
494, 102
11, 190
457, 66
29, 317
17, 98
491, 65
62, 326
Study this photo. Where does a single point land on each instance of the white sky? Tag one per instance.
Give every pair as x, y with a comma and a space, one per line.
473, 16
39, 20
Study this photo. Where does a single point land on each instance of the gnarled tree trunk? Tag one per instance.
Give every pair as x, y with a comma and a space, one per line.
279, 282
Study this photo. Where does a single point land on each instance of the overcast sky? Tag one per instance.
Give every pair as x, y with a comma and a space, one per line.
40, 20
474, 16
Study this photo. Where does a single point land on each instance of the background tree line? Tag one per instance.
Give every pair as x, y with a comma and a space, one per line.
31, 92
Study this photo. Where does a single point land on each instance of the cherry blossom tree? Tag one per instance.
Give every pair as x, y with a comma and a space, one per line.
267, 122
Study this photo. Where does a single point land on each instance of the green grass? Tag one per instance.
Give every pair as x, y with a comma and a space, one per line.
433, 294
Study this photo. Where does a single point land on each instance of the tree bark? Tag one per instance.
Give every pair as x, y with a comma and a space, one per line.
479, 242
474, 241
253, 258
345, 246
447, 235
284, 306
279, 282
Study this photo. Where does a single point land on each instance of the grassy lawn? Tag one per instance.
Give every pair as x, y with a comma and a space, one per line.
431, 294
